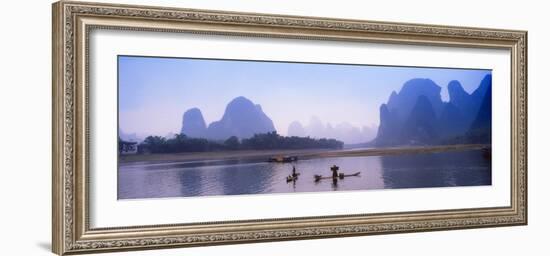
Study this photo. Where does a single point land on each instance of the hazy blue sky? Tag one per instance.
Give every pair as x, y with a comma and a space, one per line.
155, 92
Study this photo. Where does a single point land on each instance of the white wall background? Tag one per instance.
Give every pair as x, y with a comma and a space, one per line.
25, 149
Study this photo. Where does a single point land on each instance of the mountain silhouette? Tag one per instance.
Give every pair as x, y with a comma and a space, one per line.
452, 122
417, 114
296, 129
421, 125
459, 112
193, 124
402, 103
242, 119
457, 95
480, 130
389, 128
344, 131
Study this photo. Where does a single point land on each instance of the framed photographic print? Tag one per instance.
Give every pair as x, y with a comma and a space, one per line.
179, 127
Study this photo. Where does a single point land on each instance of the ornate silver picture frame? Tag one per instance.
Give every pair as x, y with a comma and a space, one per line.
73, 213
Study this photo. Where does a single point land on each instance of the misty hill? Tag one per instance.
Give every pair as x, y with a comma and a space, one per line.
480, 130
401, 104
453, 121
242, 118
132, 137
421, 125
389, 128
296, 129
345, 132
193, 124
417, 115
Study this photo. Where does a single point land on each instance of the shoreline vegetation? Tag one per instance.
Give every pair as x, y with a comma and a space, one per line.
181, 143
301, 153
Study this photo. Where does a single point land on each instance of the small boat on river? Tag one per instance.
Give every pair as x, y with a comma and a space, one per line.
283, 159
293, 176
290, 178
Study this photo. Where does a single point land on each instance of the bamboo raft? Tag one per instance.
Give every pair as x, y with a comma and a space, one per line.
340, 176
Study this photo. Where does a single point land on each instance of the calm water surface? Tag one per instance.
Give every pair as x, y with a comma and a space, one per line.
236, 177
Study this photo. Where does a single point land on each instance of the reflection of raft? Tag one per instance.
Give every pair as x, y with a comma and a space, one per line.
290, 178
283, 159
340, 176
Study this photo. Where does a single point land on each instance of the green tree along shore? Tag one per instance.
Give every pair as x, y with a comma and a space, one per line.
264, 141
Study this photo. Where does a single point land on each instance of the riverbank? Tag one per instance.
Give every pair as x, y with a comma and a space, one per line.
301, 154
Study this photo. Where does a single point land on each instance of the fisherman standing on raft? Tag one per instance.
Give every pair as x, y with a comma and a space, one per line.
334, 170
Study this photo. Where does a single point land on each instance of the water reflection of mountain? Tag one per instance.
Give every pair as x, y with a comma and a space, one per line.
191, 182
217, 179
237, 180
436, 170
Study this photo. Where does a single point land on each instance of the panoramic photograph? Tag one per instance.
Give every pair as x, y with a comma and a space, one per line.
210, 127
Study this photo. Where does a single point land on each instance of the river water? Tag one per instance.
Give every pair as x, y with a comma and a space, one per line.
237, 177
